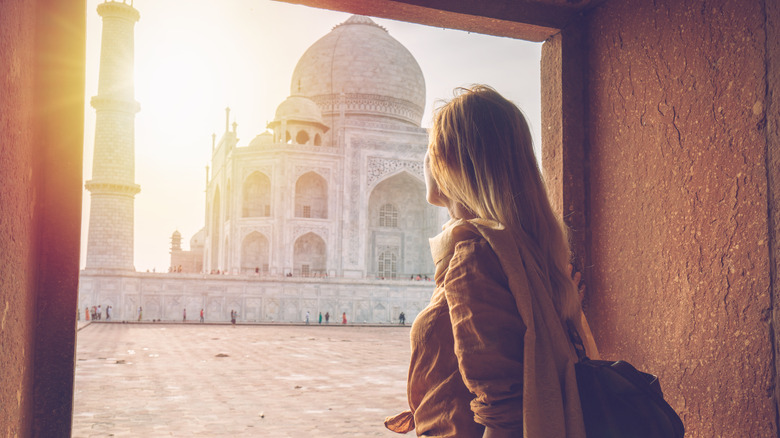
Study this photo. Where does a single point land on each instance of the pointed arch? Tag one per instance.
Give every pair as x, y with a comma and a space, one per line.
399, 226
311, 196
255, 250
256, 195
228, 203
302, 137
215, 227
309, 255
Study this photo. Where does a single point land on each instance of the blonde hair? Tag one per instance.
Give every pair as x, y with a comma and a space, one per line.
481, 156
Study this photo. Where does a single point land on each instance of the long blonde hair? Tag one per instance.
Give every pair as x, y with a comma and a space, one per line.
481, 156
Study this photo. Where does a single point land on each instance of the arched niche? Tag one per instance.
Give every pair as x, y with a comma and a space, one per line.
399, 226
311, 196
255, 253
228, 201
256, 196
309, 255
215, 227
302, 137
399, 199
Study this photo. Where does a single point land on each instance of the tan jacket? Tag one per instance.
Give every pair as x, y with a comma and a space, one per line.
490, 350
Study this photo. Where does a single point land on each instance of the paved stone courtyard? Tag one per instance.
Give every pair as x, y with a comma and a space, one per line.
203, 380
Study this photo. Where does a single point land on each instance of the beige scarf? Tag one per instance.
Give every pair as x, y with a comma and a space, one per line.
551, 403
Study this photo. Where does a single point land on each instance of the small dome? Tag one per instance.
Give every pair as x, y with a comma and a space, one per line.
198, 239
300, 109
176, 234
262, 139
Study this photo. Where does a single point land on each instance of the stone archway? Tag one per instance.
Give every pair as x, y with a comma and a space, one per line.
311, 196
398, 227
309, 255
254, 253
256, 196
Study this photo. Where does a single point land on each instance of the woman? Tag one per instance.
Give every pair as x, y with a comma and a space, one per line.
490, 355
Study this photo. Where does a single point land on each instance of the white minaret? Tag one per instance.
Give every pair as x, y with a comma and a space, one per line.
112, 187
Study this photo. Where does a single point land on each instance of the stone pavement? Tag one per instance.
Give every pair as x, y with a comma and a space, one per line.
208, 380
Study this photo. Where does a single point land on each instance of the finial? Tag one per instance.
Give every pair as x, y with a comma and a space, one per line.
235, 125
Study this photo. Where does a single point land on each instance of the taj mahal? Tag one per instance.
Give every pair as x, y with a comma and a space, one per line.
324, 212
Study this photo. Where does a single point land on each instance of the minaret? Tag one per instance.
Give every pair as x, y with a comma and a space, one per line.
112, 187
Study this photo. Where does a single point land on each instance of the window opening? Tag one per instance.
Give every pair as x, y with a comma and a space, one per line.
313, 252
388, 216
387, 265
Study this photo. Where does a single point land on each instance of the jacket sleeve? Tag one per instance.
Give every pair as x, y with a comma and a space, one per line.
488, 334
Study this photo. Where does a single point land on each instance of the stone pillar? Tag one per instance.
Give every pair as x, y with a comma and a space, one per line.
112, 187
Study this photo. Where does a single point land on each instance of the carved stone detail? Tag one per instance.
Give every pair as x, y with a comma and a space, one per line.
267, 170
388, 248
370, 104
354, 218
321, 171
320, 230
379, 167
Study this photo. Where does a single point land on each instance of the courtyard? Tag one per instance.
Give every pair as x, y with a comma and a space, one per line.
208, 380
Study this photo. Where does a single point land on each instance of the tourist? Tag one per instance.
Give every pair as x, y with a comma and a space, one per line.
344, 318
108, 313
140, 313
307, 317
233, 315
184, 315
327, 317
201, 315
99, 313
86, 313
320, 319
402, 319
470, 347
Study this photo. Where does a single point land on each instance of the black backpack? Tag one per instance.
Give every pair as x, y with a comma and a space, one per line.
619, 401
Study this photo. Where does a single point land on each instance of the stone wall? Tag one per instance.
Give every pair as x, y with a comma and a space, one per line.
42, 44
255, 298
17, 226
678, 199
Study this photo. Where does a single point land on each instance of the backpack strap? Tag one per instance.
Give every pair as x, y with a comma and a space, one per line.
576, 340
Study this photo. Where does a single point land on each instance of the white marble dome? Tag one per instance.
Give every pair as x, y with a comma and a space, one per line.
377, 75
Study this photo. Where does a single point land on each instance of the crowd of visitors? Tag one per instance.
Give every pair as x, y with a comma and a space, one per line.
95, 313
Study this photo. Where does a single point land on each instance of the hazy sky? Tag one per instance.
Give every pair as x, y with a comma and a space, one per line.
193, 58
